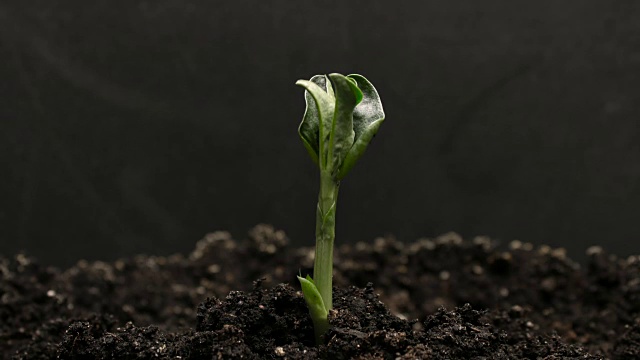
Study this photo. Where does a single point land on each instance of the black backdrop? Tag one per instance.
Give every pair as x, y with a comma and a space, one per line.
137, 126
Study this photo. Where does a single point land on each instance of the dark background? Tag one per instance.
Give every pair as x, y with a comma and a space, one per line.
139, 126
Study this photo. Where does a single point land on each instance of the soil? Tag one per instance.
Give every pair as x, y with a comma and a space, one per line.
443, 298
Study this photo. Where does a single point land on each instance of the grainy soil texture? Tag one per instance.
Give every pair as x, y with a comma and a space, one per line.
443, 298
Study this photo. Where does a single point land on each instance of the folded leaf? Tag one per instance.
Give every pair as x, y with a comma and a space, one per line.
342, 116
312, 119
316, 307
367, 118
342, 134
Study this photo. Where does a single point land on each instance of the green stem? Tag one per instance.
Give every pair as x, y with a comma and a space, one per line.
325, 236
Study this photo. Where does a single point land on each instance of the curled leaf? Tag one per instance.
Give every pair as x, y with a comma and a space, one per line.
343, 114
317, 116
367, 118
342, 134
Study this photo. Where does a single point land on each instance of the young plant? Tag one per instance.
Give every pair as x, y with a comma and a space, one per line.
342, 116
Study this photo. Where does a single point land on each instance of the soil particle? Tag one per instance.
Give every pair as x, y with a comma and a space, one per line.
443, 298
627, 347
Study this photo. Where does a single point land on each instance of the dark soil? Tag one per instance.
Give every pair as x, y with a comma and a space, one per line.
433, 299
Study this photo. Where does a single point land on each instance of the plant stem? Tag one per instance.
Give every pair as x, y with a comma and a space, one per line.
325, 236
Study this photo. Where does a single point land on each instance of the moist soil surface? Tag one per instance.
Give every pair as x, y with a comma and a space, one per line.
443, 298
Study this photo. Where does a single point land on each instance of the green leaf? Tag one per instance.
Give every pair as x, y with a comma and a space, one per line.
356, 90
316, 307
367, 118
342, 132
312, 297
327, 85
341, 117
315, 128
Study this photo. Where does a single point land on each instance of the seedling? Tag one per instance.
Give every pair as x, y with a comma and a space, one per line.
343, 114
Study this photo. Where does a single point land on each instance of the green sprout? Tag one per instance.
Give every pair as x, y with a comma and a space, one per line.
343, 114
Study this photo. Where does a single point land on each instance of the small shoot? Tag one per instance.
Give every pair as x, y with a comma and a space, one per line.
343, 114
316, 306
